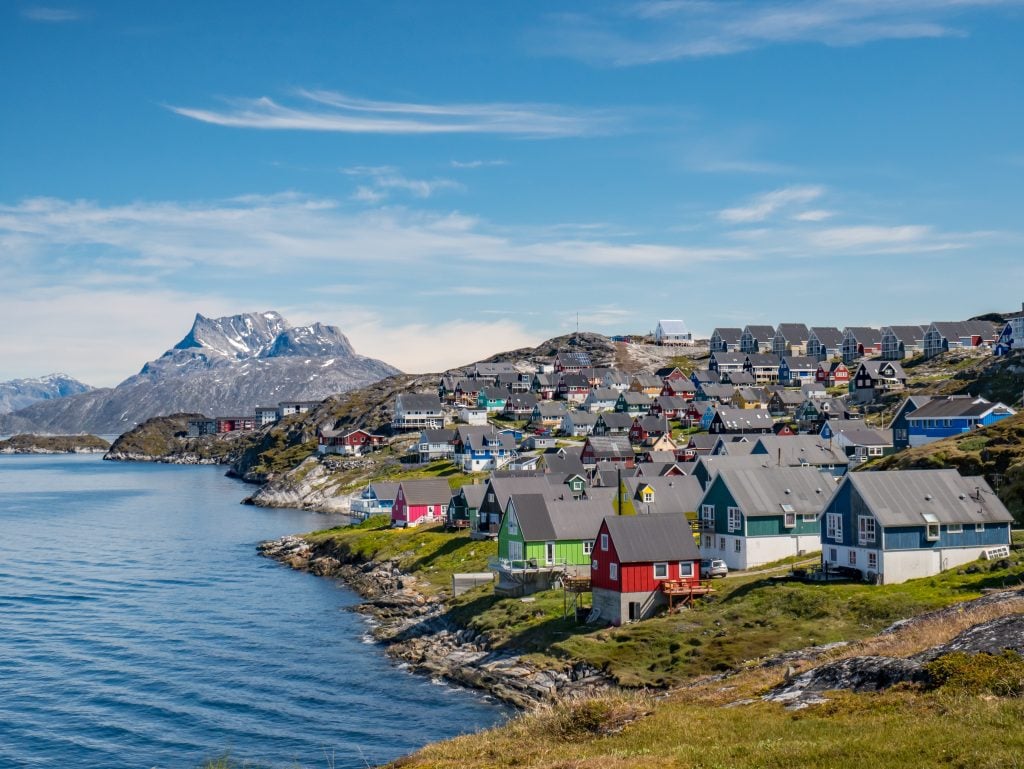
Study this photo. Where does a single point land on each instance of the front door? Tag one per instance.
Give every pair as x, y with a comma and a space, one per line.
549, 552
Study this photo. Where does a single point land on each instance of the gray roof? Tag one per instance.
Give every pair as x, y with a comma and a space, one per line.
581, 417
964, 328
866, 436
798, 449
603, 394
792, 332
739, 419
956, 407
706, 375
798, 362
829, 336
542, 519
738, 377
720, 391
906, 333
567, 465
552, 408
384, 489
864, 335
873, 368
616, 420
901, 497
764, 491
427, 491
474, 493
672, 494
437, 436
762, 359
729, 357
761, 333
635, 398
728, 334
610, 446
419, 401
652, 538
647, 380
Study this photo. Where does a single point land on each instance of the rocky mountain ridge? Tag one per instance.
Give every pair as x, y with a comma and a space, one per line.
223, 366
19, 393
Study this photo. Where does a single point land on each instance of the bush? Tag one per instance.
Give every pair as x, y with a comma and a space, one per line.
1001, 674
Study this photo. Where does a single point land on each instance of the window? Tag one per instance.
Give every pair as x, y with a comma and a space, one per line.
738, 545
979, 527
735, 522
513, 527
874, 451
685, 569
834, 526
872, 560
853, 558
789, 520
808, 517
954, 528
430, 509
613, 571
931, 527
661, 571
490, 498
588, 547
707, 513
594, 564
865, 530
705, 541
604, 541
721, 543
833, 554
648, 496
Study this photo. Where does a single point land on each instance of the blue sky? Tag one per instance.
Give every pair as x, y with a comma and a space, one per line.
445, 180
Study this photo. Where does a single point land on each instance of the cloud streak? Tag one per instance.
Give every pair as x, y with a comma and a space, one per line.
338, 112
48, 15
666, 30
769, 203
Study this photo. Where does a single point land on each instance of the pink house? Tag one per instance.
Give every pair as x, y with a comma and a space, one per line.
421, 501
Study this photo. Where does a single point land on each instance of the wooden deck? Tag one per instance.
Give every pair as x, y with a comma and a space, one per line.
682, 593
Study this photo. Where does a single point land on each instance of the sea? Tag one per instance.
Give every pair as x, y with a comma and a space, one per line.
139, 628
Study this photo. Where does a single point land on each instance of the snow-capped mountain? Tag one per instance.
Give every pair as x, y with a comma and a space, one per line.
223, 367
19, 393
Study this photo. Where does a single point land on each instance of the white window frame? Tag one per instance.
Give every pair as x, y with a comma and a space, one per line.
660, 567
737, 545
833, 554
979, 527
834, 526
513, 527
872, 560
686, 569
852, 558
789, 520
588, 546
604, 542
809, 517
954, 528
613, 572
867, 530
594, 565
707, 513
735, 519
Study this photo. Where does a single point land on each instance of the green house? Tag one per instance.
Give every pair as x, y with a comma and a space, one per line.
465, 504
541, 539
750, 516
492, 398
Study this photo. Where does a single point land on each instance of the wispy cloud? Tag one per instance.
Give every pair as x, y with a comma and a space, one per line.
384, 179
333, 111
478, 163
664, 30
50, 15
763, 206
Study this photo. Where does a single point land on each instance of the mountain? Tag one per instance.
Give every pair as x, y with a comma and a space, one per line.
19, 393
222, 367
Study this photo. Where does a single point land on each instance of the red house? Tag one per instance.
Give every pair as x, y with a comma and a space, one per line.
639, 562
353, 443
420, 501
608, 448
836, 374
235, 424
680, 388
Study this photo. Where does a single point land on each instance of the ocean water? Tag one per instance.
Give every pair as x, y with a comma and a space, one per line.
138, 628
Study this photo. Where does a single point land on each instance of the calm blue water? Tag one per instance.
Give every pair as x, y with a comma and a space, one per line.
138, 628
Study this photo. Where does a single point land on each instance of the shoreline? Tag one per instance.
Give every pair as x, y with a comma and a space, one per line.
414, 630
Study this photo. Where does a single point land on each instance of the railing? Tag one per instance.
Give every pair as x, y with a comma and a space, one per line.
525, 564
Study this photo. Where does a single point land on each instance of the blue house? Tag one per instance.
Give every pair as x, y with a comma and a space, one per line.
376, 499
797, 369
898, 425
955, 415
903, 524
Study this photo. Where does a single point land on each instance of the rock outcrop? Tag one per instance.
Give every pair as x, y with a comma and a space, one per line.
20, 393
54, 444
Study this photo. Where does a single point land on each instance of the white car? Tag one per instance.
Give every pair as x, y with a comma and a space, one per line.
710, 568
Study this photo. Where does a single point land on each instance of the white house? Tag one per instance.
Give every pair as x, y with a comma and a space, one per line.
672, 332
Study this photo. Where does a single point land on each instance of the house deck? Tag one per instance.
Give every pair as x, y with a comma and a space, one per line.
682, 593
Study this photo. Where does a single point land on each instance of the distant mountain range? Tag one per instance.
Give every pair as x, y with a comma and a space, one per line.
19, 393
223, 367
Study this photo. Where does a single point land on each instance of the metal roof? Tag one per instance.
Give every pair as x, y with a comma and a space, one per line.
652, 538
763, 491
902, 497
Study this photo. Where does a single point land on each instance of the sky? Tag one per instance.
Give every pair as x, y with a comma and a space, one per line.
446, 180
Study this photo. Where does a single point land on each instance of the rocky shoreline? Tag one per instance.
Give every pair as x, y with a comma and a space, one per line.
414, 628
27, 443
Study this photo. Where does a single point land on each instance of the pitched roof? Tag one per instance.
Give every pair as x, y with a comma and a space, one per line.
801, 362
902, 497
419, 401
734, 358
603, 394
829, 336
864, 335
761, 333
610, 446
671, 494
906, 334
866, 436
957, 407
965, 328
739, 419
650, 538
616, 420
792, 332
795, 450
634, 398
437, 436
728, 334
762, 359
384, 489
771, 491
873, 367
474, 493
542, 519
672, 327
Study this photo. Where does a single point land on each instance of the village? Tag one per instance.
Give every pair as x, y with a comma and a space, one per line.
635, 490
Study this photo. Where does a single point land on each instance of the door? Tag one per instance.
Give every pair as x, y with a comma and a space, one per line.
634, 611
549, 552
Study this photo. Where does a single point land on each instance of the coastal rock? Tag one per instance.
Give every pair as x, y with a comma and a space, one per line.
53, 444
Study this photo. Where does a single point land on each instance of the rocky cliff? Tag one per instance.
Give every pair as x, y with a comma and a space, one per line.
222, 367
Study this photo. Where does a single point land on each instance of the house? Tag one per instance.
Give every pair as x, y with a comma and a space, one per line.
738, 378
520, 406
578, 423
646, 494
601, 399
700, 444
573, 388
448, 387
719, 393
859, 341
672, 332
478, 450
790, 339
813, 390
198, 426
501, 486
833, 374
287, 408
420, 501
265, 415
647, 427
725, 363
669, 406
492, 399
659, 444
235, 424
467, 390
942, 336
638, 561
548, 414
472, 416
813, 412
824, 342
732, 445
544, 385
612, 423
757, 339
740, 421
572, 362
709, 415
946, 417
701, 376
541, 539
417, 411
630, 402
350, 443
795, 370
608, 448
435, 444
465, 505
877, 377
680, 388
801, 451
671, 374
615, 379
749, 398
537, 443
648, 384
899, 426
764, 368
376, 499
862, 443
725, 340
891, 526
784, 403
490, 370
753, 516
1011, 337
899, 342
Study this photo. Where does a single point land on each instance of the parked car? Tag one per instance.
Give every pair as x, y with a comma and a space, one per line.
711, 568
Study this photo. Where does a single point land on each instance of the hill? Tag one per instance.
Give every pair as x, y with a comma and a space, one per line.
19, 393
223, 366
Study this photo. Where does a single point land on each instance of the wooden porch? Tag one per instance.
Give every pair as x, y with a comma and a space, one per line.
682, 593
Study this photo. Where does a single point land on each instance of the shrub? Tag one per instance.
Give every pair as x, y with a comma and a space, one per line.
999, 674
